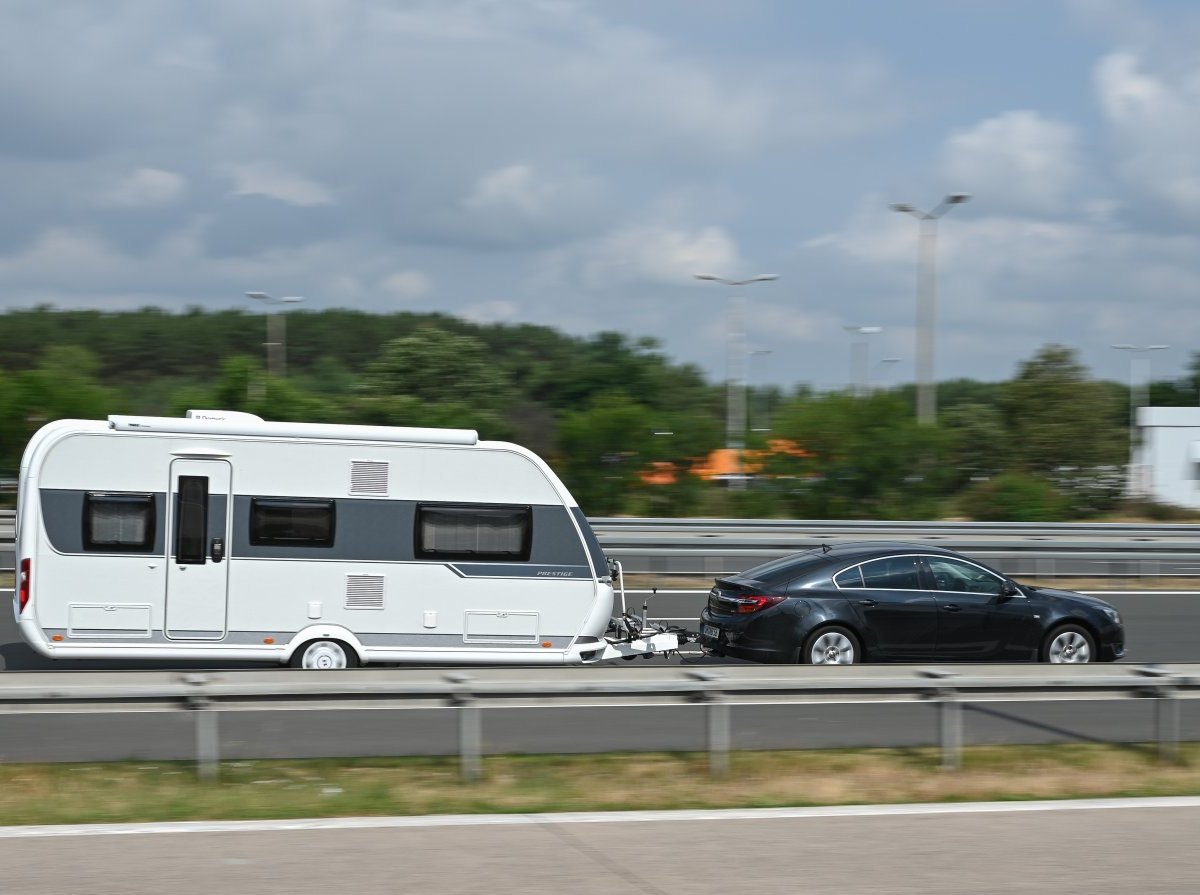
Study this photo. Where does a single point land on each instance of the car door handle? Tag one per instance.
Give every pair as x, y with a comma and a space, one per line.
868, 602
952, 607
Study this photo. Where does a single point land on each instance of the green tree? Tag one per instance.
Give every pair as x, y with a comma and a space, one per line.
978, 440
604, 450
1058, 418
1063, 427
438, 367
863, 457
62, 386
1015, 497
436, 378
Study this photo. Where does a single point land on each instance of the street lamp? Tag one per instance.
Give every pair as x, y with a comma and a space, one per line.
877, 372
1137, 353
735, 414
927, 301
764, 419
858, 356
276, 332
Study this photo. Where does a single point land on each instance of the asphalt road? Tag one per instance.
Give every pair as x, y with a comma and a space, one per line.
1162, 627
1007, 849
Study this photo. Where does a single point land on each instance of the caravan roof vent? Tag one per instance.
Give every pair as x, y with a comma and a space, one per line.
364, 591
369, 477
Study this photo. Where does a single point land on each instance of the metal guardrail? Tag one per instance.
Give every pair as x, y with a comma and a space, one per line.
711, 547
208, 695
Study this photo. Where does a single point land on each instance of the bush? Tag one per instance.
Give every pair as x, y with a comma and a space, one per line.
1015, 497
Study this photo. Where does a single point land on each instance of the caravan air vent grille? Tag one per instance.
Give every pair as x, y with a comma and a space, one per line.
369, 477
364, 591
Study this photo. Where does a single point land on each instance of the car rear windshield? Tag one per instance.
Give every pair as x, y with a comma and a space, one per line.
780, 571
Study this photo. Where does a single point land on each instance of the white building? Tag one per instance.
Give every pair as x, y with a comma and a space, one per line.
1167, 467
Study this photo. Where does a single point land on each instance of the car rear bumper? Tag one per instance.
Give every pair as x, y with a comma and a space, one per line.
738, 643
753, 654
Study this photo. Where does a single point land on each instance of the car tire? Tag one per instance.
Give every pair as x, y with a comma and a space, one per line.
833, 645
1069, 645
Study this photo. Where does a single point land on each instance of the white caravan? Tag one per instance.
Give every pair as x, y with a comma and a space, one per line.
221, 536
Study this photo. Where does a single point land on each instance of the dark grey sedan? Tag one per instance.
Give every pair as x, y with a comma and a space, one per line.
890, 602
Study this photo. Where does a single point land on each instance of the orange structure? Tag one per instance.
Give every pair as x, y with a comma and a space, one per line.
723, 463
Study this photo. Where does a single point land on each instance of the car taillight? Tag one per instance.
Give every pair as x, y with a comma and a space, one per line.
756, 603
23, 586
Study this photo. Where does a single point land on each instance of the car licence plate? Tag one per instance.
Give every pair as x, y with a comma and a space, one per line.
710, 631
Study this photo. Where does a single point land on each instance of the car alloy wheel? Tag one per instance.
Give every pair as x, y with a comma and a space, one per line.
1070, 646
832, 646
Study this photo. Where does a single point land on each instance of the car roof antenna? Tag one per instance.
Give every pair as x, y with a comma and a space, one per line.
825, 548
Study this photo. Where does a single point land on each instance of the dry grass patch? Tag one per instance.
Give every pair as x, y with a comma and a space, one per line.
156, 791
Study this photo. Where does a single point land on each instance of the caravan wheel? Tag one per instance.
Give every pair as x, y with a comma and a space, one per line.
324, 655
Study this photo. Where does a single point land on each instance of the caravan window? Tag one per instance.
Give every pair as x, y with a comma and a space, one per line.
191, 520
291, 522
472, 531
118, 522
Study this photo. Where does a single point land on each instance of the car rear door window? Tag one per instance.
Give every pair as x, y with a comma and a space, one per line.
962, 577
892, 573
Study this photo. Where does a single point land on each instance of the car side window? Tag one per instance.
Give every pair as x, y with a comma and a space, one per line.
892, 573
851, 577
962, 577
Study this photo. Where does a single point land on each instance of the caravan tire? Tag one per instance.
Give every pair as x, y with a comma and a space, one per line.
324, 655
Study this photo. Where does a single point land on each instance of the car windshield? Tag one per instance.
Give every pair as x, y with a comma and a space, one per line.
786, 568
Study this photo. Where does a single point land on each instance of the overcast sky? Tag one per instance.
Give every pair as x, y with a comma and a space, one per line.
574, 163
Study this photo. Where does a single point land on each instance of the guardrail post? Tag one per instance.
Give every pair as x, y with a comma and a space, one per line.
950, 720
1166, 710
470, 728
208, 747
717, 718
1166, 713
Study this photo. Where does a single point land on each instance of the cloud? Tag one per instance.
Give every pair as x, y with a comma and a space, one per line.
407, 284
653, 253
512, 187
491, 312
575, 162
1017, 160
145, 187
1154, 120
524, 206
270, 180
1007, 283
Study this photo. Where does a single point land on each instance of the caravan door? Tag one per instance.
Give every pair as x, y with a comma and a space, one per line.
197, 543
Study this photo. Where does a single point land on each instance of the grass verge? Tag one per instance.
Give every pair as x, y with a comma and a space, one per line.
165, 791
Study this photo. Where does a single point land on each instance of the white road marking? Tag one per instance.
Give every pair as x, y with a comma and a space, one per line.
463, 820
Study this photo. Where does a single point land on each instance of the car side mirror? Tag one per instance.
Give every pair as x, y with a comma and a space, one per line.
1009, 589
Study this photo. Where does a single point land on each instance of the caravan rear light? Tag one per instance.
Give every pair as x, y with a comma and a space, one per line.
23, 586
755, 603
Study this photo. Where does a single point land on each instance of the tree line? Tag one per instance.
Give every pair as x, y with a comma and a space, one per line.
622, 424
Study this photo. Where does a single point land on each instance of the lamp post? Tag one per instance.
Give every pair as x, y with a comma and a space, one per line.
927, 301
764, 418
877, 372
1137, 353
735, 359
276, 331
858, 356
